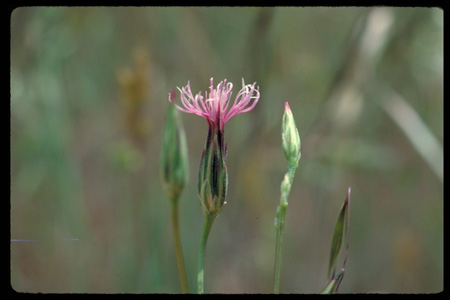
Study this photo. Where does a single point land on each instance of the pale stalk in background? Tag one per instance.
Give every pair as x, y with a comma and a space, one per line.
178, 247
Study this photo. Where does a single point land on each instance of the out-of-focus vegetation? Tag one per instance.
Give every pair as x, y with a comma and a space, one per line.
89, 93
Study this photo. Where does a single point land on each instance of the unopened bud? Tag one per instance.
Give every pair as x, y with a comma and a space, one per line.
289, 137
174, 158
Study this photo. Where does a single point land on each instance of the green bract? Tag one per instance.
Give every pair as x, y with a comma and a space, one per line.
213, 174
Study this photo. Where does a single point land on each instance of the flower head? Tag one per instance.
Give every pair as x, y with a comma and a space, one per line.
216, 108
215, 105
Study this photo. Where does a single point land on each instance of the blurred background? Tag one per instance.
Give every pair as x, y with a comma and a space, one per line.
89, 89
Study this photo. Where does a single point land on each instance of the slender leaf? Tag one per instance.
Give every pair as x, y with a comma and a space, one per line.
333, 284
340, 229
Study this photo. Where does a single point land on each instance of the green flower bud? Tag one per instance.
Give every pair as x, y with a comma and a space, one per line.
213, 174
290, 138
174, 157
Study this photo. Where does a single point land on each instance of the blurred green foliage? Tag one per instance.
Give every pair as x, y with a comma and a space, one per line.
89, 90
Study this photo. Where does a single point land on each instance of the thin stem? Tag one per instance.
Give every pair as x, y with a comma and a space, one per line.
178, 248
279, 223
281, 212
209, 220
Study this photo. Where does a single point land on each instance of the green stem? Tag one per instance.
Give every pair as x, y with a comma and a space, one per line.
281, 212
209, 220
178, 248
279, 223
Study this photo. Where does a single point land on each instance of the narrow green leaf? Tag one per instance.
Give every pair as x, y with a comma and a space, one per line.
330, 287
333, 284
341, 228
338, 235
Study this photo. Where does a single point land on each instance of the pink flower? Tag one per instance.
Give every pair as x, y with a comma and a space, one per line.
214, 106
